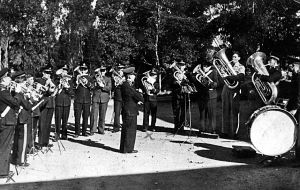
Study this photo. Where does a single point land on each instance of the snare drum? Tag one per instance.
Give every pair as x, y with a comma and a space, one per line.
273, 130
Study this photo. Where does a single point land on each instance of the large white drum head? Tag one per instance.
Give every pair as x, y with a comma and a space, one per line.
272, 132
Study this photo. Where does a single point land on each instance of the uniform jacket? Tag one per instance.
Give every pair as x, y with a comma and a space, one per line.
83, 94
47, 96
25, 112
117, 93
130, 99
102, 94
6, 99
64, 97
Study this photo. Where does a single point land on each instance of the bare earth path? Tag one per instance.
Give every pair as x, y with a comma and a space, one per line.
164, 161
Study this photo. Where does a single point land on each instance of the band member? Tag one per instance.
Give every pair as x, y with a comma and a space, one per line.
101, 93
131, 98
150, 100
180, 92
294, 105
47, 110
118, 78
231, 100
274, 71
21, 131
82, 100
206, 96
9, 107
63, 102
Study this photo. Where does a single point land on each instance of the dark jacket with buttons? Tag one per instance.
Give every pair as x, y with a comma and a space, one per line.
63, 97
83, 93
6, 99
130, 99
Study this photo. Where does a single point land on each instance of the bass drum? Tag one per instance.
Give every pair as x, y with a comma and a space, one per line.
273, 130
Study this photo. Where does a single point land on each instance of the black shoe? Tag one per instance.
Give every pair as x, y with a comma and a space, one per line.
24, 164
115, 130
85, 135
76, 136
64, 138
38, 147
134, 151
101, 132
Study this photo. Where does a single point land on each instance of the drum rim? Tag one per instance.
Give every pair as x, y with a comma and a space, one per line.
268, 108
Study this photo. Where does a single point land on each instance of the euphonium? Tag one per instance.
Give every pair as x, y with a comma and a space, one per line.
224, 68
148, 82
201, 76
178, 74
266, 90
118, 79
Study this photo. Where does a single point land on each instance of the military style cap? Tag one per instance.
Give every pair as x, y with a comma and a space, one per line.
65, 67
181, 62
3, 72
153, 72
18, 74
47, 69
83, 65
129, 71
274, 57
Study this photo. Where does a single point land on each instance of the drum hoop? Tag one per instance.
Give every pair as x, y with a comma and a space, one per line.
274, 107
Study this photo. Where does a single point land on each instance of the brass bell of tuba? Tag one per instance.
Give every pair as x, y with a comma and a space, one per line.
266, 90
224, 68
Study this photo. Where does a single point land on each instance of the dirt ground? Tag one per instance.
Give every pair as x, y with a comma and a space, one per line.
164, 161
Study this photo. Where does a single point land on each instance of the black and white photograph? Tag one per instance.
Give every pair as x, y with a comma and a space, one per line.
150, 94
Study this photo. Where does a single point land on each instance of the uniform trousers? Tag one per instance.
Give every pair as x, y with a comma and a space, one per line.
84, 110
6, 141
150, 107
45, 126
230, 111
20, 144
180, 108
98, 116
32, 130
208, 115
128, 133
61, 120
297, 145
117, 110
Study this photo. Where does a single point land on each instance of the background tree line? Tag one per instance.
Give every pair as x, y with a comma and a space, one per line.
144, 33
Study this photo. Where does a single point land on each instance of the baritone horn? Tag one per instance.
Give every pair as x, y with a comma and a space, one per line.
266, 90
224, 68
148, 82
202, 77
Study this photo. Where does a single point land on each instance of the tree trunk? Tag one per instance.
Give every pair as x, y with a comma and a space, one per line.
4, 47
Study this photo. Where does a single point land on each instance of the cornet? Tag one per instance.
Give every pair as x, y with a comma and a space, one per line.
80, 79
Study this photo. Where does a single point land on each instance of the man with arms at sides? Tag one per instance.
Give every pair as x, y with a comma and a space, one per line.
101, 95
131, 98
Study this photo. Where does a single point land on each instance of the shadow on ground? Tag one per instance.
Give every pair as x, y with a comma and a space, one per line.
235, 177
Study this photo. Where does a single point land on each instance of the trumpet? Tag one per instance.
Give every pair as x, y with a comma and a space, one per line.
148, 82
202, 77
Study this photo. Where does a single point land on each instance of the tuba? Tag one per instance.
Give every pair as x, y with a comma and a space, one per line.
148, 82
224, 68
201, 76
266, 90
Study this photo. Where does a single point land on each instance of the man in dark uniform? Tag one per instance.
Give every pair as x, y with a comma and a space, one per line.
118, 80
274, 71
150, 100
101, 95
231, 100
82, 100
21, 132
63, 102
206, 96
9, 107
131, 98
47, 110
181, 90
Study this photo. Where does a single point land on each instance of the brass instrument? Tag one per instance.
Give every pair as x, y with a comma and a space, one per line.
64, 82
202, 77
99, 79
180, 76
266, 90
224, 68
80, 79
118, 79
148, 82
